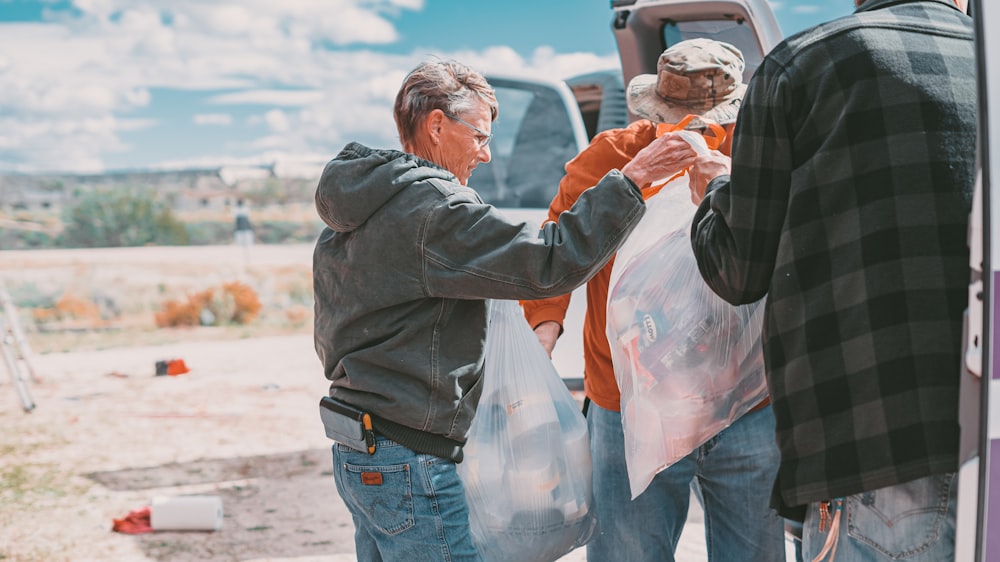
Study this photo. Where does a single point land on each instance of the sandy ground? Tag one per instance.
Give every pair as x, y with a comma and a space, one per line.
107, 436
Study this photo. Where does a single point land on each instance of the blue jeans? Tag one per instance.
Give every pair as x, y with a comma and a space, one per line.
735, 471
406, 506
913, 521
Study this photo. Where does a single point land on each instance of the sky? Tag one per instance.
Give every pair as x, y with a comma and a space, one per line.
92, 86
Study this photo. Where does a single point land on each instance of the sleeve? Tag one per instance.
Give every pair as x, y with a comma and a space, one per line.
607, 151
473, 250
738, 225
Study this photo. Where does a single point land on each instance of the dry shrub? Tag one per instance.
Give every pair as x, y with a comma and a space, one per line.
178, 313
232, 303
70, 306
297, 315
246, 301
42, 315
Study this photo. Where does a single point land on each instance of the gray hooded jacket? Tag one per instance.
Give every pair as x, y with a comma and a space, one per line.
402, 272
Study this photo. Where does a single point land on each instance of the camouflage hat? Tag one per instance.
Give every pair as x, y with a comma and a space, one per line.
698, 77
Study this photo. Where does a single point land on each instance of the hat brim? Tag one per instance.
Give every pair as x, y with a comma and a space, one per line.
643, 101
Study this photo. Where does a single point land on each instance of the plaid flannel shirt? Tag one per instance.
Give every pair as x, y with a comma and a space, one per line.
848, 205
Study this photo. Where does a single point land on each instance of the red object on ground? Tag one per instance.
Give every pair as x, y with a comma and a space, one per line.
136, 522
177, 367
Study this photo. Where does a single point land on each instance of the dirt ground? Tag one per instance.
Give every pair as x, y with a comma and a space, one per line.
107, 435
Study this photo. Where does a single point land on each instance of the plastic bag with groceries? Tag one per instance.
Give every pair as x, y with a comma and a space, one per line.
687, 362
527, 469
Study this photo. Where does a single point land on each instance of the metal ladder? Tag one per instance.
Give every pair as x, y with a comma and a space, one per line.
16, 351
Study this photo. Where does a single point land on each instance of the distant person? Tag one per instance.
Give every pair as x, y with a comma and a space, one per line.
243, 235
736, 468
847, 203
401, 277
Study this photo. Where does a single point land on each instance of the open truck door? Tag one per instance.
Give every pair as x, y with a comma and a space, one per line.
644, 28
978, 526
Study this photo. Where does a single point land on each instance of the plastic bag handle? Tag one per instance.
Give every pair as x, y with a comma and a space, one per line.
713, 142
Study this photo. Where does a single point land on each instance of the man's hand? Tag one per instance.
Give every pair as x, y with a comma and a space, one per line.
548, 333
663, 158
706, 168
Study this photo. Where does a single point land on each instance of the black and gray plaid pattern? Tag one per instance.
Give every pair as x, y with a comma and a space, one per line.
848, 206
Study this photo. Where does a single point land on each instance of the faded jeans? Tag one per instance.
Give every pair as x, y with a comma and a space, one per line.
912, 522
406, 506
735, 471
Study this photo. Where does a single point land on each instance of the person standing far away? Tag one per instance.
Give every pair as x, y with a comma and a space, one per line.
847, 203
243, 230
401, 277
735, 469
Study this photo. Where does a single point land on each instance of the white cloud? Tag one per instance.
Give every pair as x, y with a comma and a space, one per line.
230, 19
341, 22
223, 119
131, 125
415, 5
805, 9
95, 7
269, 97
544, 62
77, 80
74, 70
68, 143
278, 121
267, 158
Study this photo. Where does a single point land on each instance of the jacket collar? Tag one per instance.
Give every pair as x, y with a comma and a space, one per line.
879, 4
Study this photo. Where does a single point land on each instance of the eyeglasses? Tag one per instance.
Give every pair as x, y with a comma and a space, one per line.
482, 137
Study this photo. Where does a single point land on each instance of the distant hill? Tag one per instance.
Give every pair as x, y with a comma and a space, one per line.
183, 190
34, 206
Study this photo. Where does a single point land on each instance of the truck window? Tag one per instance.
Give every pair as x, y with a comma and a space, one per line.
532, 141
601, 97
735, 32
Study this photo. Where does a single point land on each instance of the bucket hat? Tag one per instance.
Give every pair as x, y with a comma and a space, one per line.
695, 77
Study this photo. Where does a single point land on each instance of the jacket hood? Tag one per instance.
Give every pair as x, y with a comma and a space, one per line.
360, 180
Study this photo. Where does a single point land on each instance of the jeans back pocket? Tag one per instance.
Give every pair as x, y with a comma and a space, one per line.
383, 493
903, 520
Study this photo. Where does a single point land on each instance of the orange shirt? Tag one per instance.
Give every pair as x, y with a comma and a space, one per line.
608, 151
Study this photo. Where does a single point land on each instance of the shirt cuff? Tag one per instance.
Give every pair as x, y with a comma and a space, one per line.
546, 313
716, 183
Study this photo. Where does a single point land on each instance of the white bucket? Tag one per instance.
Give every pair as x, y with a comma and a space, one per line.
186, 513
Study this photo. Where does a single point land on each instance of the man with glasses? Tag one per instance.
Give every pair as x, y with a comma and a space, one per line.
482, 138
401, 276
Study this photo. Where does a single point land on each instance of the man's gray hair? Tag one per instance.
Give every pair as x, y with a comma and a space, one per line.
449, 86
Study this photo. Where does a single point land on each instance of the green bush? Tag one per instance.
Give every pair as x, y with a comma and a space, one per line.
16, 239
120, 217
283, 232
203, 233
209, 233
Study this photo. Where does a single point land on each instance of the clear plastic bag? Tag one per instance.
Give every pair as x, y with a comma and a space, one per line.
687, 362
527, 469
